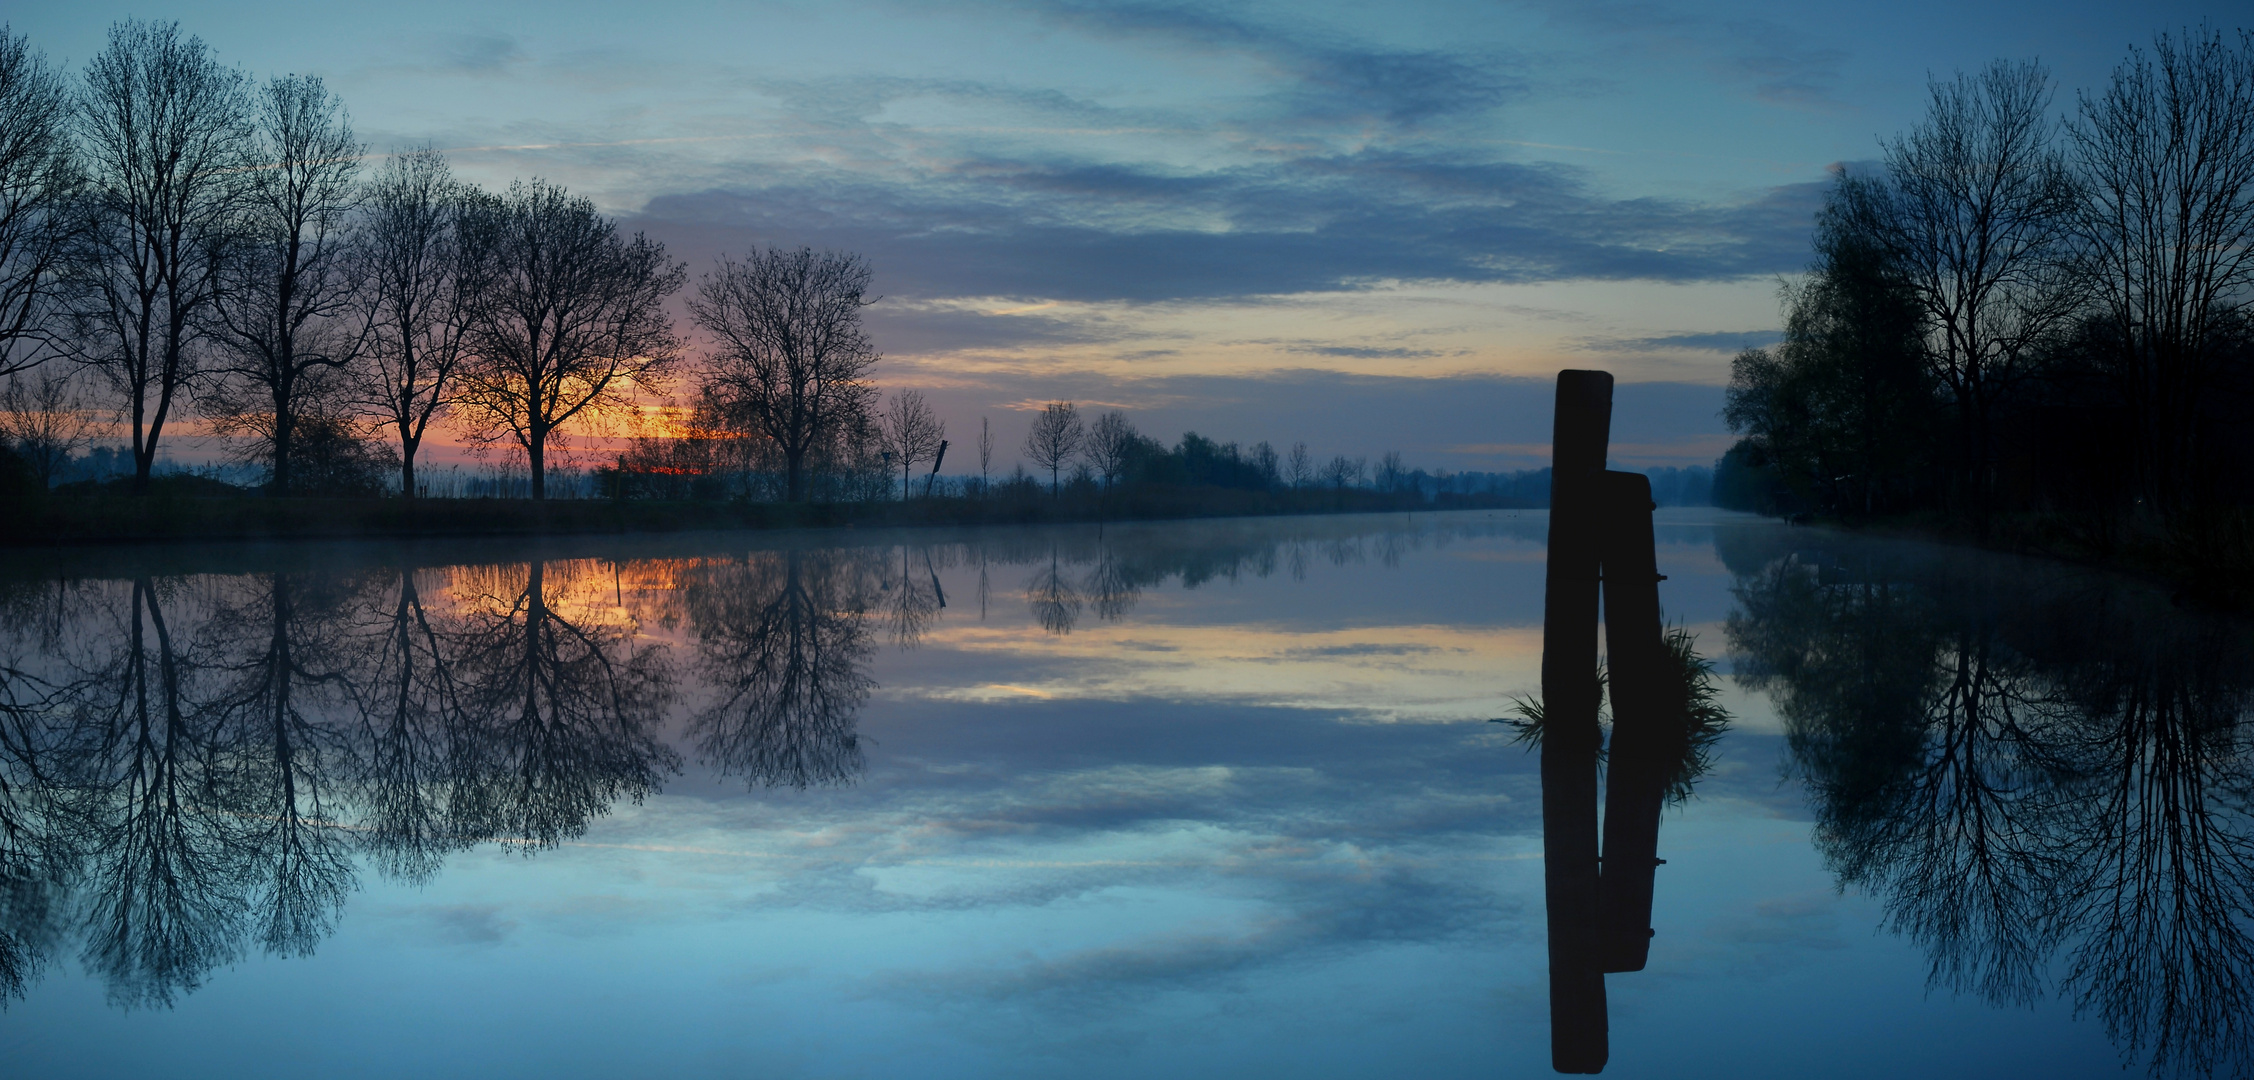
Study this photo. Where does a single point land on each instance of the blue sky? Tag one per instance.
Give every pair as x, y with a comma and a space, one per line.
1364, 226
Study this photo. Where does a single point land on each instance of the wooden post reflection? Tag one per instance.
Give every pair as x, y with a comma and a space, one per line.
1638, 765
1570, 739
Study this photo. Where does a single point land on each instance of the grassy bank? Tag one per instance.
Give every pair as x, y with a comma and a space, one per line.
178, 514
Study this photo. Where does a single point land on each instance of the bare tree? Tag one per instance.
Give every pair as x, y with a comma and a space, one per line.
2167, 157
1975, 208
283, 301
1299, 468
1054, 438
985, 452
571, 315
912, 433
1110, 443
164, 129
422, 247
1392, 476
1264, 459
38, 179
792, 359
1344, 472
45, 420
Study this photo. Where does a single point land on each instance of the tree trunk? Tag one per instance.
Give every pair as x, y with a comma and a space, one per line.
283, 423
536, 452
144, 455
794, 475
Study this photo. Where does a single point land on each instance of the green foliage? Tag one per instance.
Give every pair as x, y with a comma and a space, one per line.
1843, 410
1694, 695
1703, 717
1527, 716
1744, 480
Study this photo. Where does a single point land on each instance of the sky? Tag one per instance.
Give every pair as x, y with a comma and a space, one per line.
1366, 227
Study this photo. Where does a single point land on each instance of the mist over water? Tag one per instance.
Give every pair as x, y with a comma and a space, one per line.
1200, 799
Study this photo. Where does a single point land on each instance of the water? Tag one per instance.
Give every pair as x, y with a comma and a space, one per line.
1206, 799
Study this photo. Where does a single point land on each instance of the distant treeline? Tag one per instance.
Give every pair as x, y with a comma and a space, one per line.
2018, 322
180, 241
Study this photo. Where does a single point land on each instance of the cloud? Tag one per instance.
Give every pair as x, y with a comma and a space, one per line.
1328, 76
1017, 228
1320, 915
459, 924
478, 54
1776, 62
1726, 342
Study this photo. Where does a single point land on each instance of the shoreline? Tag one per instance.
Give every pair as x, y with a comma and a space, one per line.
105, 520
2209, 570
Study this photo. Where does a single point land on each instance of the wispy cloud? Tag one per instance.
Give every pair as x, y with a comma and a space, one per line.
1724, 342
478, 54
1025, 229
1323, 75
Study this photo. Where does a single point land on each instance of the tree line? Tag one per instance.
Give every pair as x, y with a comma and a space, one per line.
203, 244
193, 244
2018, 312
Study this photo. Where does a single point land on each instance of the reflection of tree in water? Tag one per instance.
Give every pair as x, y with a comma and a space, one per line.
157, 856
34, 866
912, 597
1052, 596
188, 764
187, 768
2022, 772
567, 711
783, 642
273, 694
418, 746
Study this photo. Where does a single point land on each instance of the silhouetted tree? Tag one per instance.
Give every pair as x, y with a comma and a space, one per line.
1110, 446
422, 255
39, 180
569, 317
1974, 209
1839, 408
283, 296
985, 453
44, 420
2166, 156
792, 359
165, 131
912, 433
1054, 438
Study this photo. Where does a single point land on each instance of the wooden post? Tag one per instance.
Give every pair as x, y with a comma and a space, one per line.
1637, 767
1578, 1038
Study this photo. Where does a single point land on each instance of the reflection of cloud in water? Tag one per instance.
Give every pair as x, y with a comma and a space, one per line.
1435, 673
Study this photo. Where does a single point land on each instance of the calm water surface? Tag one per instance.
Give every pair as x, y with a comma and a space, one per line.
1210, 799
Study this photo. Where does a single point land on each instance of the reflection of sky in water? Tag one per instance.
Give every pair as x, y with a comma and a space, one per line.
1254, 827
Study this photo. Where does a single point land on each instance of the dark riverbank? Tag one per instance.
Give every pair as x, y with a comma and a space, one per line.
2206, 563
177, 516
